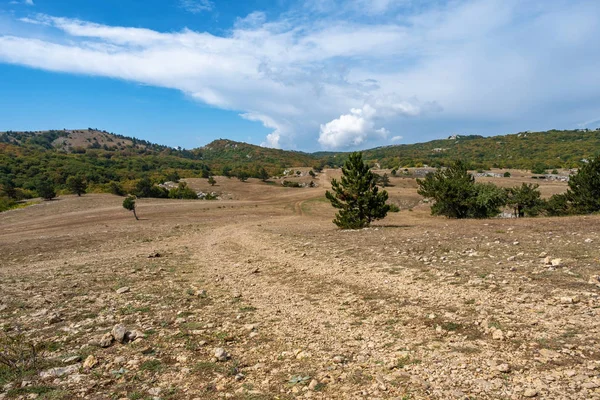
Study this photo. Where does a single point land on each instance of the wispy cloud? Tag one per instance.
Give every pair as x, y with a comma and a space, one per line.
26, 2
196, 6
346, 82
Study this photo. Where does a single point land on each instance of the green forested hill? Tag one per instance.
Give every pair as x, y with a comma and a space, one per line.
28, 158
526, 150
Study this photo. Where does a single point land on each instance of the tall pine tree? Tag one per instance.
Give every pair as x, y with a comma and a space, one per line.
357, 196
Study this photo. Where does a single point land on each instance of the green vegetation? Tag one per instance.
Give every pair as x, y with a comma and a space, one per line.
525, 200
36, 163
182, 191
129, 204
46, 190
583, 195
76, 184
357, 195
553, 149
456, 195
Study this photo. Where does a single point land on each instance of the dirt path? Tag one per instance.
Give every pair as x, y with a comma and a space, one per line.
413, 308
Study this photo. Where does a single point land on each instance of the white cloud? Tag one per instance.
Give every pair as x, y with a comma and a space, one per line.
396, 139
462, 61
26, 2
196, 6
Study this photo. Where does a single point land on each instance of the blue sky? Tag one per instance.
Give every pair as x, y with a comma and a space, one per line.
304, 75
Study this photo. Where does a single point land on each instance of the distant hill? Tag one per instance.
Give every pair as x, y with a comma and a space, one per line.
223, 152
525, 150
27, 158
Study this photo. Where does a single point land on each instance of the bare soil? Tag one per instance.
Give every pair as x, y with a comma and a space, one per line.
415, 307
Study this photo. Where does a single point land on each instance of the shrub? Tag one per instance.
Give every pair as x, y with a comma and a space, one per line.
525, 200
46, 190
116, 188
394, 208
182, 191
291, 184
357, 196
507, 174
76, 184
456, 195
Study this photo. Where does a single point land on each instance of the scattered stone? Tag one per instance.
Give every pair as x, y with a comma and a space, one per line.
90, 362
155, 255
118, 332
134, 335
530, 393
239, 377
221, 354
60, 371
504, 368
547, 260
54, 318
106, 340
124, 289
557, 262
72, 359
497, 334
313, 384
569, 300
339, 359
594, 279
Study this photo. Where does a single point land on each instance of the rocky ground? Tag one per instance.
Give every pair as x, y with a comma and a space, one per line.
265, 299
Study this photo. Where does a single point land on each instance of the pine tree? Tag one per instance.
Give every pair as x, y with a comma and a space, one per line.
357, 196
584, 188
211, 181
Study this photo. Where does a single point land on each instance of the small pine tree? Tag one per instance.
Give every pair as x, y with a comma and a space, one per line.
129, 204
76, 184
212, 181
357, 196
384, 180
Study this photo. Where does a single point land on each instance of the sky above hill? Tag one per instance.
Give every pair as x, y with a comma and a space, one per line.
305, 75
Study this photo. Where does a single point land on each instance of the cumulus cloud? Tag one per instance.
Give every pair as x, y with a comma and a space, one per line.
396, 139
338, 81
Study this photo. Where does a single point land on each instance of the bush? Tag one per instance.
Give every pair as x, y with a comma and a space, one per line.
116, 188
7, 204
182, 191
456, 195
357, 196
557, 205
145, 188
46, 190
76, 185
507, 174
394, 208
525, 200
291, 184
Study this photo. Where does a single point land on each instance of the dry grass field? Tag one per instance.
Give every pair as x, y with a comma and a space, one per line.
260, 296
